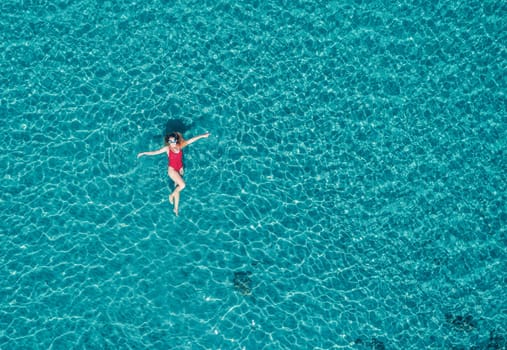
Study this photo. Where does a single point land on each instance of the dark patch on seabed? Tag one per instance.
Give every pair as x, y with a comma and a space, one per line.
466, 323
243, 282
463, 323
497, 341
374, 344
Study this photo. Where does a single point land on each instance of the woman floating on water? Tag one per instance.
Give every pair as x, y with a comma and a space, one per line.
174, 144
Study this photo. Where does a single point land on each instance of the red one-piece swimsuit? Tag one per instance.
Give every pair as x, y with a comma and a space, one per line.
175, 160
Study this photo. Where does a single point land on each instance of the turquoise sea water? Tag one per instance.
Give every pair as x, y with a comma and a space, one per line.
352, 194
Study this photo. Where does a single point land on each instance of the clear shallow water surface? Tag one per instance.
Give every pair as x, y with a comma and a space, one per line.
352, 194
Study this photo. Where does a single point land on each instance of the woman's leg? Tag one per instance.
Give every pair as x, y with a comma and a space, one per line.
174, 197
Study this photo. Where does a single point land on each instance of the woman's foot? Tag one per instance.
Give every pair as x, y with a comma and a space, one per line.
171, 200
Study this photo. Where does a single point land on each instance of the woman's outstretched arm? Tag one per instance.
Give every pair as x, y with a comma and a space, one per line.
195, 138
153, 153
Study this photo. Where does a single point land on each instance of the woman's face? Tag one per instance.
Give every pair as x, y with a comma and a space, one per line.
173, 143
